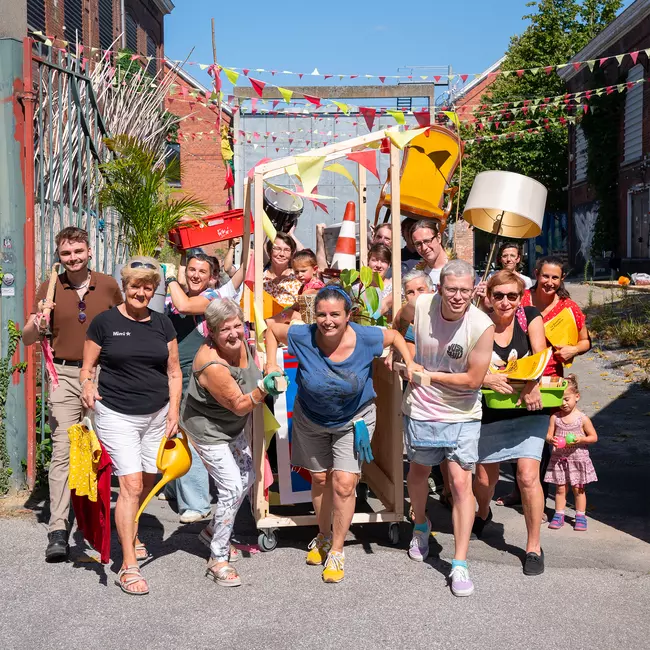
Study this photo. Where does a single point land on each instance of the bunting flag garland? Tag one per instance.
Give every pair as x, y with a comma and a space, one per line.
367, 159
309, 170
398, 116
401, 138
258, 85
338, 168
286, 94
368, 116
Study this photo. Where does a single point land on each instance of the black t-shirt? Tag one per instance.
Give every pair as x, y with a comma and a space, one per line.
520, 343
133, 377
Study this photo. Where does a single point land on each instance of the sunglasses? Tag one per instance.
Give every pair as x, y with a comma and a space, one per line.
512, 297
81, 316
142, 265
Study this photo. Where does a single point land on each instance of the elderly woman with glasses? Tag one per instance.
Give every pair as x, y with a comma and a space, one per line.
513, 434
136, 401
224, 388
279, 279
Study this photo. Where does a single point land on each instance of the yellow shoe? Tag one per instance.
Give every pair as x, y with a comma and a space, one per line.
333, 571
319, 547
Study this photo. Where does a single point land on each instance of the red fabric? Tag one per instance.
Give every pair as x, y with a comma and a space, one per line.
555, 366
94, 519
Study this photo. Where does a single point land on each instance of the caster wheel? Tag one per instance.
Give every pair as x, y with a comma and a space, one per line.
267, 540
393, 533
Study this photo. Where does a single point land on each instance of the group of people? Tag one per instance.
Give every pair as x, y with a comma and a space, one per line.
146, 374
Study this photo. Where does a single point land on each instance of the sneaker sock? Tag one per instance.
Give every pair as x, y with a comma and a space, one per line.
560, 513
580, 512
421, 528
455, 563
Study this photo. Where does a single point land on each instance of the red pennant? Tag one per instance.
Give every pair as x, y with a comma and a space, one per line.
602, 61
585, 108
273, 73
520, 73
588, 94
382, 79
496, 125
276, 149
245, 71
423, 118
367, 159
464, 77
275, 102
609, 90
368, 116
258, 85
630, 85
353, 76
274, 137
548, 69
437, 78
300, 74
230, 179
290, 140
577, 65
320, 205
635, 56
327, 76
314, 100
307, 142
385, 146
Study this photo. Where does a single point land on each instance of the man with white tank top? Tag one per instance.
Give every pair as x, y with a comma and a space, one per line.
453, 343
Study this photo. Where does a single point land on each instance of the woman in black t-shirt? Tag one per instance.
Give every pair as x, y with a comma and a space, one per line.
136, 402
508, 434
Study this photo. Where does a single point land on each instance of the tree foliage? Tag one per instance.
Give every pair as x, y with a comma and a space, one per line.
558, 29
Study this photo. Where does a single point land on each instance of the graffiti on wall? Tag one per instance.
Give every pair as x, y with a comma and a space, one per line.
584, 218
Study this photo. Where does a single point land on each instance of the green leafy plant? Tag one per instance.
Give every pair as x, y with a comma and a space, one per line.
364, 287
7, 370
136, 186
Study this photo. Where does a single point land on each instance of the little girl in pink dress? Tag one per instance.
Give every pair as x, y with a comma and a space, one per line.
570, 462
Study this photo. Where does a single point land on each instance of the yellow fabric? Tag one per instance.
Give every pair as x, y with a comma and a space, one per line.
85, 453
417, 203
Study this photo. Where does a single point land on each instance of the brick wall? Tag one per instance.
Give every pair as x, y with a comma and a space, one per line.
464, 241
203, 173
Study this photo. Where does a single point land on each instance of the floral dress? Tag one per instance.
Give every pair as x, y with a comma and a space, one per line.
284, 288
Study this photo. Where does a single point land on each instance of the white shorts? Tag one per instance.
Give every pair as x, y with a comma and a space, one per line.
131, 441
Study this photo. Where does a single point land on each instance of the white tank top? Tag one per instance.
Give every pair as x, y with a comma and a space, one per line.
444, 346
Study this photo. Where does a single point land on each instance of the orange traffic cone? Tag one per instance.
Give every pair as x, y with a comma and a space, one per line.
345, 253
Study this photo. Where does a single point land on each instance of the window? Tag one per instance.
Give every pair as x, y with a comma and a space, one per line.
131, 34
633, 147
105, 24
72, 21
173, 157
36, 15
152, 67
580, 155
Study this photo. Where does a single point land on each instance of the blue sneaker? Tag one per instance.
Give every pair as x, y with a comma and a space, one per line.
461, 583
419, 546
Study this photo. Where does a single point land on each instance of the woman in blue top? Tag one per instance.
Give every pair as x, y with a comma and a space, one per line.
334, 413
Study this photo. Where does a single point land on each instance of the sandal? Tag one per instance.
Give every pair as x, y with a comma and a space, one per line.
134, 571
141, 552
226, 576
509, 500
205, 537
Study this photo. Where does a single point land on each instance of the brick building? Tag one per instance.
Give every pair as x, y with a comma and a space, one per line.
203, 172
137, 25
629, 32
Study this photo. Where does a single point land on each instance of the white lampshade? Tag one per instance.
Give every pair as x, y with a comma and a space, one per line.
521, 199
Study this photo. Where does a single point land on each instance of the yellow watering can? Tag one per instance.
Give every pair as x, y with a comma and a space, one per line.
174, 460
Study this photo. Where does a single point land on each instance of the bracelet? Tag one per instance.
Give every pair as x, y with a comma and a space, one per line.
260, 386
168, 281
255, 402
85, 380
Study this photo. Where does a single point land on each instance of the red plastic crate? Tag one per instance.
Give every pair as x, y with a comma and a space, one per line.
210, 229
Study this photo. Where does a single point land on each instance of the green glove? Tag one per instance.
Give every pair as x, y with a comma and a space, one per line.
169, 270
268, 383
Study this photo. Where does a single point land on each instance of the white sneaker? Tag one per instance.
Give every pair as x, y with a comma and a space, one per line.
461, 583
191, 516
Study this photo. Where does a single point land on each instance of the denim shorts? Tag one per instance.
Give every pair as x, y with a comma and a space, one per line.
521, 437
429, 443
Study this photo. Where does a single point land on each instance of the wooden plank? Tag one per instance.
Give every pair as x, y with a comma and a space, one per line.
395, 214
419, 378
363, 215
615, 285
281, 384
261, 504
379, 483
276, 521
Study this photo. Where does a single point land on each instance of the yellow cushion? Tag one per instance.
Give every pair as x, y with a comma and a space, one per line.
417, 203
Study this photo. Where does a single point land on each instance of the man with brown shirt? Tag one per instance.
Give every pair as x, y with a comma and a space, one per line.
79, 296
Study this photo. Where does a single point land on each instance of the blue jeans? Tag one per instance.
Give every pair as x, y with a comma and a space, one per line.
191, 491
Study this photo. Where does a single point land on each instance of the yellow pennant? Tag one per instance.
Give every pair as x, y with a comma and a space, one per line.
286, 94
401, 138
232, 76
344, 107
268, 227
397, 115
454, 118
338, 168
309, 169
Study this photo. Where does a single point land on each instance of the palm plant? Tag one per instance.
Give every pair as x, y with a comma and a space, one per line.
135, 184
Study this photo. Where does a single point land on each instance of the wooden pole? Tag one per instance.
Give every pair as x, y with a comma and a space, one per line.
395, 214
363, 218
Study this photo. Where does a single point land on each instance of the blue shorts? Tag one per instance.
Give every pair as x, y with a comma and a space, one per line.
429, 443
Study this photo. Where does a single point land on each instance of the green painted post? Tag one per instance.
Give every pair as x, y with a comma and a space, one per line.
12, 234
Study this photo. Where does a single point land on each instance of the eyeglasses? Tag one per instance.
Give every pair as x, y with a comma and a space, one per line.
424, 242
452, 291
278, 249
512, 297
142, 265
81, 316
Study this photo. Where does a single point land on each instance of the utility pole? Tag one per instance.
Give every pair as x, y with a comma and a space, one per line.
14, 193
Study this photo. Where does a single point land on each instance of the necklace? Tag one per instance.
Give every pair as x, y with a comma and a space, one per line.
83, 285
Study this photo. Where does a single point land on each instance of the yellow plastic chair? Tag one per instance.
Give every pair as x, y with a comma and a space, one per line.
429, 163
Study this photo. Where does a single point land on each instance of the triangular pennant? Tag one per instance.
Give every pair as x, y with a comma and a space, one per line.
602, 61
619, 58
382, 79
309, 170
454, 118
548, 69
343, 107
368, 116
258, 85
338, 168
577, 65
423, 117
634, 56
401, 138
313, 100
464, 77
398, 116
245, 71
232, 76
590, 65
367, 159
535, 70
286, 94
315, 73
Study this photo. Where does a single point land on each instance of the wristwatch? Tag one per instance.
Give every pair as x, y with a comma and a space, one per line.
168, 281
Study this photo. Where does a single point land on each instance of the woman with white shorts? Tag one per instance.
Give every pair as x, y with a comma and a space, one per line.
136, 401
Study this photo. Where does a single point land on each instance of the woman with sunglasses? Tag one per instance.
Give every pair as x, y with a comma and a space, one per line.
513, 434
279, 279
136, 402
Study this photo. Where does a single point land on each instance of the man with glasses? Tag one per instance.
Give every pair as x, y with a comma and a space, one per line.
79, 296
453, 343
427, 241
